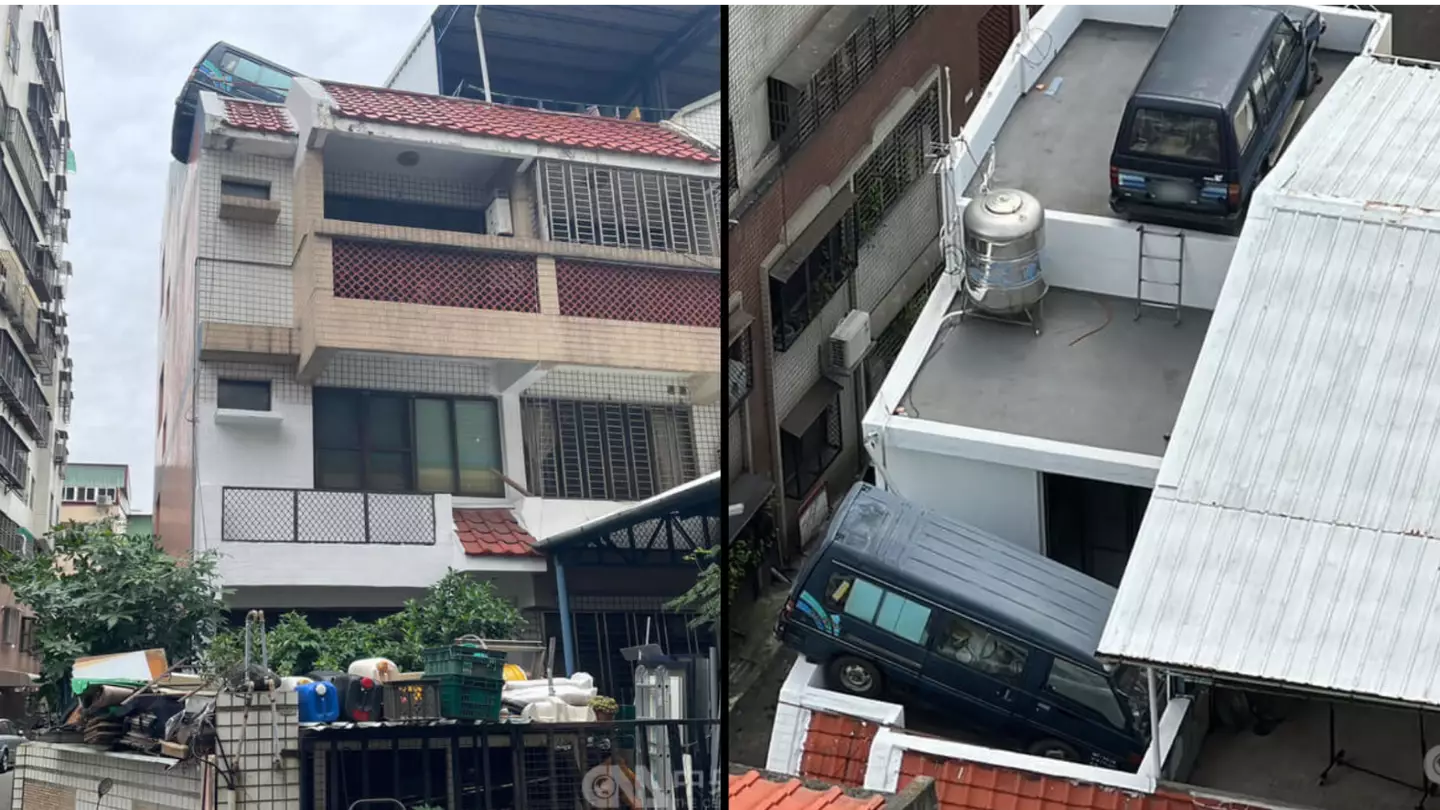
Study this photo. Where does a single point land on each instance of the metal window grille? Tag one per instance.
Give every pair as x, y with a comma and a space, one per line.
797, 113
20, 389
317, 516
801, 299
14, 458
12, 38
634, 293
897, 163
740, 370
594, 205
16, 222
42, 123
732, 180
378, 271
31, 176
888, 344
606, 451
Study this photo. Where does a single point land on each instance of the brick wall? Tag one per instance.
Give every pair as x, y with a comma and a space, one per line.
768, 202
65, 777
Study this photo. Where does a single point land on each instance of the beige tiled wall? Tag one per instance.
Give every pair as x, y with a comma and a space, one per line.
246, 735
65, 777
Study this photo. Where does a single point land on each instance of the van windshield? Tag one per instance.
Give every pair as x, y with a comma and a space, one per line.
1175, 135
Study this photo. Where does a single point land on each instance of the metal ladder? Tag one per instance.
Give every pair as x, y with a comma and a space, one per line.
1141, 279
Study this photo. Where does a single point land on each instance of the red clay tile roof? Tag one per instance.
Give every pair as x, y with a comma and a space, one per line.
752, 791
961, 785
837, 749
515, 123
493, 532
257, 116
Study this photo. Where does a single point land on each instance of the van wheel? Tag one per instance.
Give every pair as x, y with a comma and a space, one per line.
1054, 749
856, 676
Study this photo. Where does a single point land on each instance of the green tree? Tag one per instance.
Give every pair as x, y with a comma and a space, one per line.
457, 605
94, 592
707, 597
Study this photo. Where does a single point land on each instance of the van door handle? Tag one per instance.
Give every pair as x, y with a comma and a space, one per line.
1042, 707
1008, 695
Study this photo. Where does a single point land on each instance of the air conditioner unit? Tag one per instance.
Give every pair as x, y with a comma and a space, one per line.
498, 221
848, 343
102, 500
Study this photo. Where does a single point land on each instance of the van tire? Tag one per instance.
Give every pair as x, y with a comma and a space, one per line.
856, 676
1054, 749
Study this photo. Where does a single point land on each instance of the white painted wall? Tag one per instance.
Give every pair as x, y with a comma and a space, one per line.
419, 72
1000, 499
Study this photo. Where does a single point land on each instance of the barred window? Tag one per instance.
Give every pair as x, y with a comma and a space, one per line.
606, 451
897, 163
594, 205
796, 113
798, 300
732, 181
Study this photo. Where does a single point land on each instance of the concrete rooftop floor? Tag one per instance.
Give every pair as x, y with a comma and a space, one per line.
1056, 143
1095, 376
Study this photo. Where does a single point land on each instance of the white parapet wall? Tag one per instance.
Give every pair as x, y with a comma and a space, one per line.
66, 777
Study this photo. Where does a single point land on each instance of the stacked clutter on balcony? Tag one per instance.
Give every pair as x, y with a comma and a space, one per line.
468, 680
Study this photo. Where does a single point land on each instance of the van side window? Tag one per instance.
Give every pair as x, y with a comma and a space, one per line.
1087, 690
981, 650
1282, 46
1244, 123
1260, 93
882, 608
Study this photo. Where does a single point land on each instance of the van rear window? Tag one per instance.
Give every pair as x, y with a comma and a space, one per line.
1175, 135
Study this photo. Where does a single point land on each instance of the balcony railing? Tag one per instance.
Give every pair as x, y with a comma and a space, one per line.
43, 355
45, 274
14, 458
442, 277
635, 293
263, 515
45, 58
42, 123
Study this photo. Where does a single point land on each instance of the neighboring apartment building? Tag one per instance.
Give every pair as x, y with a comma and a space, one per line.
836, 114
34, 355
403, 333
97, 492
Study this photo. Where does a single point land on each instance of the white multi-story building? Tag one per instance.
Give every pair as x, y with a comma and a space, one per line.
34, 357
403, 333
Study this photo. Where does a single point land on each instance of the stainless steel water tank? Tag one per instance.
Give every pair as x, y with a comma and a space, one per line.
1004, 230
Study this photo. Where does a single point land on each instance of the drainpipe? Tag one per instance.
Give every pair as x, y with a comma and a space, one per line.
1154, 723
567, 621
484, 64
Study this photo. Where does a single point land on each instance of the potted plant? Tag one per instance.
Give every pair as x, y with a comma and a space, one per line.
604, 708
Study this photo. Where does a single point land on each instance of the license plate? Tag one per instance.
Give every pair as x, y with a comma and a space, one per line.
1170, 191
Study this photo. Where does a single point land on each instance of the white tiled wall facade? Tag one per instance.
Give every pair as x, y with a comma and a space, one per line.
248, 735
703, 122
905, 234
759, 38
243, 268
65, 777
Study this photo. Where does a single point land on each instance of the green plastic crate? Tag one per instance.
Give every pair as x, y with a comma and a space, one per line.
468, 660
463, 698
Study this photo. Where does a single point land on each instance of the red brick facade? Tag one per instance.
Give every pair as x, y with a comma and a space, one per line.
946, 36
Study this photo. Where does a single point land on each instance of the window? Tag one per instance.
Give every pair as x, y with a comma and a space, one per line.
1283, 47
1260, 94
980, 649
246, 71
885, 609
382, 442
1181, 136
797, 113
9, 625
896, 164
12, 38
69, 494
739, 369
1244, 123
244, 395
798, 300
89, 495
607, 451
806, 458
595, 205
27, 635
1087, 690
250, 189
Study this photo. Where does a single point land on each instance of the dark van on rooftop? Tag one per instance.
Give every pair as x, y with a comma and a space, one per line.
1212, 112
900, 600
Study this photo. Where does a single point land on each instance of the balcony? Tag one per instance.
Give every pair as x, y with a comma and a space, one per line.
22, 392
378, 271
45, 274
14, 459
255, 515
639, 210
32, 178
42, 123
43, 354
45, 58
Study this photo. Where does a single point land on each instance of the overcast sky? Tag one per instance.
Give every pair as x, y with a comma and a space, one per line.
124, 66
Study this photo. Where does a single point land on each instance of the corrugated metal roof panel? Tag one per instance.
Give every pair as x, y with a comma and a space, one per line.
1366, 142
1292, 533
